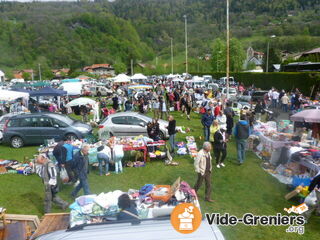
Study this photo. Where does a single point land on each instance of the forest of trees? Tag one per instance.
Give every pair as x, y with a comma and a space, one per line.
82, 33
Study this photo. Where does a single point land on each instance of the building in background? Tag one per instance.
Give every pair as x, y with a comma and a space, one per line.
100, 70
253, 58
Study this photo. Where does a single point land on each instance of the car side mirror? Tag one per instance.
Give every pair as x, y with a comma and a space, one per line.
142, 124
56, 126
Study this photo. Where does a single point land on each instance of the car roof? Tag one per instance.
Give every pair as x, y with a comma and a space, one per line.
36, 115
154, 229
120, 114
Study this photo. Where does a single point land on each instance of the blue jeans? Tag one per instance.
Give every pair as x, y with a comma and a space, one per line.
274, 103
206, 133
241, 149
172, 142
102, 157
83, 184
285, 107
118, 164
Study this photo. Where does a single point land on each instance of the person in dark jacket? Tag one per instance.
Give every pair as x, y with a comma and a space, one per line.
241, 133
60, 153
206, 121
220, 147
128, 210
115, 102
228, 111
172, 132
258, 110
82, 167
84, 110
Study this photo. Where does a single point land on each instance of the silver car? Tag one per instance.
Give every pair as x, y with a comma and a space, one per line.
147, 230
127, 124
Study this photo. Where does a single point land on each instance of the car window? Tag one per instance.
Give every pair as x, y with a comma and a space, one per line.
135, 121
3, 120
13, 123
45, 122
28, 122
119, 120
59, 123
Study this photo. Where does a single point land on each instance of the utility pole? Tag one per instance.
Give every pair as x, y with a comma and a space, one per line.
171, 57
228, 50
131, 67
39, 65
186, 40
268, 52
267, 65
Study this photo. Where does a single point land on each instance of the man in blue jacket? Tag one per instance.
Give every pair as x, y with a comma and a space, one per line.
82, 166
241, 133
207, 120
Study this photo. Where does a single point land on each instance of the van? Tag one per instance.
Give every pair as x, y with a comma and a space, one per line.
223, 81
72, 88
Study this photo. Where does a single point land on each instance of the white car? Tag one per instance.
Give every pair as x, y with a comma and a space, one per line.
232, 92
128, 124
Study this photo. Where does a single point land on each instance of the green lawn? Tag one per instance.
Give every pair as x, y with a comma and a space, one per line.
236, 189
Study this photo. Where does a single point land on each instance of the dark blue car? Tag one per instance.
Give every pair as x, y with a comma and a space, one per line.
35, 128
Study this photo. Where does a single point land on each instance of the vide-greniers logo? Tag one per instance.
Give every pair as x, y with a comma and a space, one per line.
186, 218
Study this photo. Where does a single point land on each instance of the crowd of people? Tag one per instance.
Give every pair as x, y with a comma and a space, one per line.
217, 119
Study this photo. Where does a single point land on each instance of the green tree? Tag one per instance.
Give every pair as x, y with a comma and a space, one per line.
120, 67
274, 58
219, 59
26, 76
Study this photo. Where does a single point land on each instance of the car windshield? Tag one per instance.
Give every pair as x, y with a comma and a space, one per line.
66, 119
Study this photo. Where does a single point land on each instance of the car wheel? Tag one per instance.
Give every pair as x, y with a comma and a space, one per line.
17, 142
71, 136
161, 135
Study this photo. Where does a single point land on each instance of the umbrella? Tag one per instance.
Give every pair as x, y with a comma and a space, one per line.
310, 115
81, 101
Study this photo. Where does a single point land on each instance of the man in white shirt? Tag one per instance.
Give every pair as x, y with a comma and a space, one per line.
275, 97
285, 102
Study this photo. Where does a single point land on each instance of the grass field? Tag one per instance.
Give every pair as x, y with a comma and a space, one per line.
236, 189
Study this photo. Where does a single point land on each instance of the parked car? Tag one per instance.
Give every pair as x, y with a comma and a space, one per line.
146, 230
258, 95
35, 128
232, 92
3, 120
97, 91
129, 124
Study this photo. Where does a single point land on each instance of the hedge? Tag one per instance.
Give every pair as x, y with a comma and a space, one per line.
280, 80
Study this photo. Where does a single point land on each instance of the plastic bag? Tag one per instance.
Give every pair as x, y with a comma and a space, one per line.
311, 199
64, 175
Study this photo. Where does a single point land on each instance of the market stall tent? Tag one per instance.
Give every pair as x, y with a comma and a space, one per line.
121, 78
6, 95
81, 101
48, 91
139, 76
310, 116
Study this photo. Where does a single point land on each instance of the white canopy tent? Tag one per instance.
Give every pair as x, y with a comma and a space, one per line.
12, 95
139, 76
121, 78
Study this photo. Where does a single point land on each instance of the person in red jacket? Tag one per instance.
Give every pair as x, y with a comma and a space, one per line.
217, 109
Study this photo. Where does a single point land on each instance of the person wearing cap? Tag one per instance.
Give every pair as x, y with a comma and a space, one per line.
47, 171
220, 146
